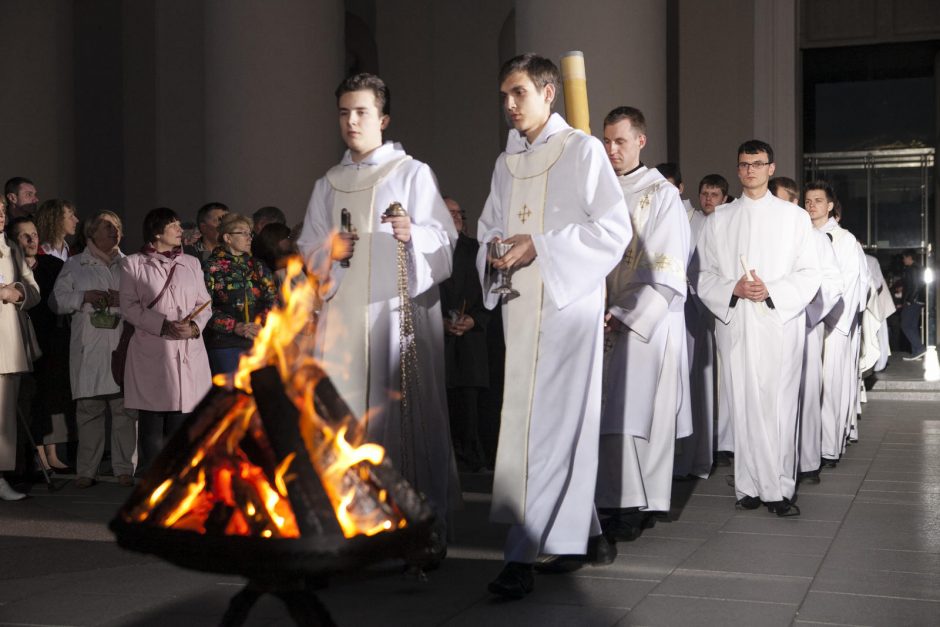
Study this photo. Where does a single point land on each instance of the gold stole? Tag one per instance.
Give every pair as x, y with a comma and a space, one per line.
523, 317
345, 331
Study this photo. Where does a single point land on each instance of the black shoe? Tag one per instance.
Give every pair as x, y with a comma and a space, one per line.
811, 476
626, 525
748, 502
600, 552
829, 463
514, 581
784, 508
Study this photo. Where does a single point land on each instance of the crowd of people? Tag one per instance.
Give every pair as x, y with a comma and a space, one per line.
107, 352
623, 338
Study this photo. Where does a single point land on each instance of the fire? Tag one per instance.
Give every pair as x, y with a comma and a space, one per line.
223, 489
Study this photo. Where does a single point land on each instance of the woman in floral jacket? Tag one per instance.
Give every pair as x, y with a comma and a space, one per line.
243, 292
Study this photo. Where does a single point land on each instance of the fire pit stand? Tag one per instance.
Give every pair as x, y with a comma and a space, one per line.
299, 595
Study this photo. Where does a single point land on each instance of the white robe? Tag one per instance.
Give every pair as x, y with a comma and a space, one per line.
858, 386
811, 384
838, 372
761, 348
429, 255
646, 370
711, 422
880, 308
585, 232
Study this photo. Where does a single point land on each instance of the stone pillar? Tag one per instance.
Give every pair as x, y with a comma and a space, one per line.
775, 89
624, 45
270, 114
37, 103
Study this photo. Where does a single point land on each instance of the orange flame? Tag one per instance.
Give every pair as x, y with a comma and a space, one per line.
220, 477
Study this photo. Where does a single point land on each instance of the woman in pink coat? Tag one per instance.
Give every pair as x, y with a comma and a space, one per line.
167, 370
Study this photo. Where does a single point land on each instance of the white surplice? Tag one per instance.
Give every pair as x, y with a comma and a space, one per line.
838, 372
811, 385
858, 387
646, 370
423, 448
584, 231
711, 422
880, 308
761, 348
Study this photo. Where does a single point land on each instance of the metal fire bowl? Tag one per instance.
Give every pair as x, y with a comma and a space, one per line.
270, 558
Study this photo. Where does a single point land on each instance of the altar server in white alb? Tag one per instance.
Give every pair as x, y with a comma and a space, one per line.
352, 249
880, 308
555, 198
646, 366
839, 357
819, 320
711, 416
759, 271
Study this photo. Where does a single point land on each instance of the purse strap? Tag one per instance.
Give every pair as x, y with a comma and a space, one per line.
165, 285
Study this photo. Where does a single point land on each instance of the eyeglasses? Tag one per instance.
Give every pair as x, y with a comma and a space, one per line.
754, 165
247, 234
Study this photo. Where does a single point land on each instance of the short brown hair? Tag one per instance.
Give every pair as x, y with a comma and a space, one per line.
366, 81
636, 117
541, 71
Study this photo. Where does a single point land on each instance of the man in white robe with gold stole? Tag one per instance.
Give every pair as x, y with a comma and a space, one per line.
759, 271
555, 199
353, 250
646, 367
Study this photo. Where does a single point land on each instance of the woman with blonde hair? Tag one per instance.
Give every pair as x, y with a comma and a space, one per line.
87, 288
243, 292
18, 291
56, 220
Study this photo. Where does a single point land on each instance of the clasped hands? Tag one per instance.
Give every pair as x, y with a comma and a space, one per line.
93, 297
249, 330
181, 330
520, 255
463, 324
11, 293
755, 290
343, 244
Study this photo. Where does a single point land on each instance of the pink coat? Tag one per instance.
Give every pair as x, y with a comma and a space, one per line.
164, 374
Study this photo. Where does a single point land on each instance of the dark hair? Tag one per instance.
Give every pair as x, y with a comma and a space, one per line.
156, 221
783, 182
206, 208
823, 186
714, 180
270, 214
12, 186
11, 225
671, 171
363, 81
636, 117
755, 146
265, 245
541, 71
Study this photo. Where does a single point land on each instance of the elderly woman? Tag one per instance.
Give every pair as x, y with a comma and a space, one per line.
243, 291
18, 291
162, 294
52, 411
87, 288
56, 220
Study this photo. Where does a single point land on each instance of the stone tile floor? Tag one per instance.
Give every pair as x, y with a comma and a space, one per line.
866, 551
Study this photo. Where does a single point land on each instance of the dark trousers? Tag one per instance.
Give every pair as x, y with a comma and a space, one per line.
910, 325
154, 428
463, 405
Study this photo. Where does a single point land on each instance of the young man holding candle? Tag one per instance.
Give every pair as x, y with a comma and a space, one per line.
759, 271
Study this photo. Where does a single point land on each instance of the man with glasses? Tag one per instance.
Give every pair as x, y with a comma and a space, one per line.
759, 271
